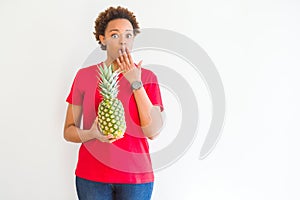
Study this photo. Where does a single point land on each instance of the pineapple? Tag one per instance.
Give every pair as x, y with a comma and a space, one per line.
111, 118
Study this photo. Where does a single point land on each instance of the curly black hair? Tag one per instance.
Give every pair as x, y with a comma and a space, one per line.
110, 14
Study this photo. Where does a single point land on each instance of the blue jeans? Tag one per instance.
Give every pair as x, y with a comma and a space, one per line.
89, 190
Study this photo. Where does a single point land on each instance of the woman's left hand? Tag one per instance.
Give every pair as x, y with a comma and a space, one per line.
127, 66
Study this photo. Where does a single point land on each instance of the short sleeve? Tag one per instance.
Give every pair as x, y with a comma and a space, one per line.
152, 89
75, 96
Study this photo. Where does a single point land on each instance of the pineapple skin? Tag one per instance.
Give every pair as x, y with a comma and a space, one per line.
111, 119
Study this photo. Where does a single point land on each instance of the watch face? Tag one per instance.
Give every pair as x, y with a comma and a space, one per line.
136, 85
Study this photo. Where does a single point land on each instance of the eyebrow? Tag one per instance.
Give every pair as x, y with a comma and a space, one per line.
119, 30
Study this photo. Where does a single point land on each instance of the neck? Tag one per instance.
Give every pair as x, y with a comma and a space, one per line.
114, 64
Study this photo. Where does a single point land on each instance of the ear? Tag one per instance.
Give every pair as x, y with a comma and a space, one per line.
102, 39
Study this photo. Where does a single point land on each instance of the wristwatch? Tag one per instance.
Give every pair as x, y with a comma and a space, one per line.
135, 85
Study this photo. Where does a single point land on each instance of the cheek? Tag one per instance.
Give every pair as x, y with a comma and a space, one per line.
112, 51
129, 45
111, 45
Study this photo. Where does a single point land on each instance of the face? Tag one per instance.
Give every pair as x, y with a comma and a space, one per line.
118, 35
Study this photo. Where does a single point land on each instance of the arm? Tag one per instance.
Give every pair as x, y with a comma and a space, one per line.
72, 131
150, 116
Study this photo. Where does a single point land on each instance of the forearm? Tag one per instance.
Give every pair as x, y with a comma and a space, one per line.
150, 117
77, 135
144, 105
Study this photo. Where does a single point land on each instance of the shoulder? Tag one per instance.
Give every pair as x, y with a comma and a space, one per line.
148, 76
86, 76
89, 69
87, 72
147, 73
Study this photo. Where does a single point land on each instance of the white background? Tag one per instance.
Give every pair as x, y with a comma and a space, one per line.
255, 47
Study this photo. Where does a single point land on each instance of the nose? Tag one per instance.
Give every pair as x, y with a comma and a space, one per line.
122, 40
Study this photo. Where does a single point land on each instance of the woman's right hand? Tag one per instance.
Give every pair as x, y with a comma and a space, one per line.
73, 133
94, 130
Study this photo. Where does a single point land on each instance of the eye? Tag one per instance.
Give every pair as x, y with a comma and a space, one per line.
129, 35
115, 36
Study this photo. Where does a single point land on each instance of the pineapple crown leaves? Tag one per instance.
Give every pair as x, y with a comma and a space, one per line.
108, 82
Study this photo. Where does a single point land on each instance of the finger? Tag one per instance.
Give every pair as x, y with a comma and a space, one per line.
119, 63
119, 137
129, 57
111, 141
140, 64
121, 66
121, 56
120, 52
126, 59
105, 138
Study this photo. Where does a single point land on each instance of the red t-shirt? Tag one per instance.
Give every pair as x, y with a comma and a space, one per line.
126, 160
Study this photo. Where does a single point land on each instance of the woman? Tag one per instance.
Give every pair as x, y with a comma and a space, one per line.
115, 168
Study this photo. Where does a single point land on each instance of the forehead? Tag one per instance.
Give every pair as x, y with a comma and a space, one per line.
119, 25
